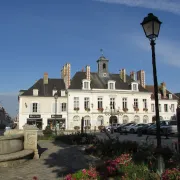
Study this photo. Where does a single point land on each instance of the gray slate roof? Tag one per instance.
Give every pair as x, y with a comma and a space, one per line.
101, 83
46, 90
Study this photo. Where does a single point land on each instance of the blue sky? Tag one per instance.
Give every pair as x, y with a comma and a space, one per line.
40, 36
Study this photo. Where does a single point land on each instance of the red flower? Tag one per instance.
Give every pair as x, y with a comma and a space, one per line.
35, 178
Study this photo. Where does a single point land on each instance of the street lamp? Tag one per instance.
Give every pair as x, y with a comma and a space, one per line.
55, 97
151, 26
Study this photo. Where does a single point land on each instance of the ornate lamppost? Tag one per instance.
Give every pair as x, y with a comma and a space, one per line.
151, 26
55, 97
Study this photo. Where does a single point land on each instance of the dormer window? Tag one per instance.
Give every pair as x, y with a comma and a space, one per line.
54, 92
111, 85
134, 86
170, 96
86, 84
35, 92
63, 93
159, 96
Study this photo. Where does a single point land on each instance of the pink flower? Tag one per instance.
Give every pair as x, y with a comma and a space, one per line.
84, 171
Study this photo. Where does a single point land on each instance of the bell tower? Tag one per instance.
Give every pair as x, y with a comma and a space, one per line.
103, 66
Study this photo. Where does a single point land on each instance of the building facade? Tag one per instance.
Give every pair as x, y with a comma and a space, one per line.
38, 106
100, 98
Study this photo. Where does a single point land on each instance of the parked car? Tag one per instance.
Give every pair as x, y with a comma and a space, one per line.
114, 126
133, 128
7, 128
144, 128
151, 129
124, 127
169, 127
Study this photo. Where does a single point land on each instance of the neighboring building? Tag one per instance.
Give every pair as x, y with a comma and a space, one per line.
167, 102
37, 104
96, 96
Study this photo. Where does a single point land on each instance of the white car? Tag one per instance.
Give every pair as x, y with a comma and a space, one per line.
114, 126
169, 127
133, 128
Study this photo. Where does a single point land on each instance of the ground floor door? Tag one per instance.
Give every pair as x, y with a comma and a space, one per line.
113, 119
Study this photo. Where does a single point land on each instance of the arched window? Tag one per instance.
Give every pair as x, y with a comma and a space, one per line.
104, 66
87, 121
136, 119
125, 119
145, 119
100, 121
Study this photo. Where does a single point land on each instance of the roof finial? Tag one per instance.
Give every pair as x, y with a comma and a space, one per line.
102, 53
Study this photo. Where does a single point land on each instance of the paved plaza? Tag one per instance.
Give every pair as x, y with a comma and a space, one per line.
58, 159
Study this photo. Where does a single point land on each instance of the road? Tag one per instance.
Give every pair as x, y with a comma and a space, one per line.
133, 137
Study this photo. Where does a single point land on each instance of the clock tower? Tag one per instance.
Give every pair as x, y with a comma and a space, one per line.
103, 66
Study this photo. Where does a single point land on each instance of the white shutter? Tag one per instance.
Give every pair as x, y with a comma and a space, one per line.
38, 108
60, 107
31, 108
53, 108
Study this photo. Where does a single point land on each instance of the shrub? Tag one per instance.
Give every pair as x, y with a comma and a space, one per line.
171, 174
76, 128
101, 127
47, 131
87, 127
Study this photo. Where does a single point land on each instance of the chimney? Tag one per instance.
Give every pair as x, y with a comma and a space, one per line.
123, 75
132, 75
163, 88
68, 74
62, 73
141, 78
45, 80
88, 73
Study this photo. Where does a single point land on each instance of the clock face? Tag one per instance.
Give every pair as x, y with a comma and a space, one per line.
104, 74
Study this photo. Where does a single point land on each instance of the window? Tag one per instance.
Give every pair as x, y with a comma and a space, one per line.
172, 108
86, 85
100, 102
136, 119
159, 96
145, 103
152, 107
125, 119
145, 119
63, 107
35, 92
87, 121
134, 86
111, 84
170, 96
76, 102
124, 103
165, 108
160, 108
86, 103
135, 103
35, 107
104, 66
112, 103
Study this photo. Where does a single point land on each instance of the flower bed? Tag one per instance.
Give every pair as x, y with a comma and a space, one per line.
121, 167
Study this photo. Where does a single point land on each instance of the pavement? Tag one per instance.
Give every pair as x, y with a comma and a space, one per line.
56, 160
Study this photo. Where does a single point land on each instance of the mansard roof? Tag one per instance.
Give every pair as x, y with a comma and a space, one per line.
98, 82
45, 90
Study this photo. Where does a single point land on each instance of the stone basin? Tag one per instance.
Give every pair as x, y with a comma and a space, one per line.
11, 144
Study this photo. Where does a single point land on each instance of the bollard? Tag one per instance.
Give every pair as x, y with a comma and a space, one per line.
139, 133
166, 133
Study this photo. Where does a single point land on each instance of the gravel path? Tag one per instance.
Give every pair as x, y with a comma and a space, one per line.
56, 160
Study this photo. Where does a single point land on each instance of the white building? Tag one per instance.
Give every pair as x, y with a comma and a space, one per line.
99, 97
37, 105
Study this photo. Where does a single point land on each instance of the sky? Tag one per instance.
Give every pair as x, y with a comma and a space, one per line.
40, 36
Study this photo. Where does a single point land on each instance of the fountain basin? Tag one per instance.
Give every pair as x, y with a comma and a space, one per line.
11, 144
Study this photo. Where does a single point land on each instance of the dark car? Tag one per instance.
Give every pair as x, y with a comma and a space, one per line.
145, 128
123, 127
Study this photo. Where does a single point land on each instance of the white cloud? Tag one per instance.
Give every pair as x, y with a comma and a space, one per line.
172, 6
167, 50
